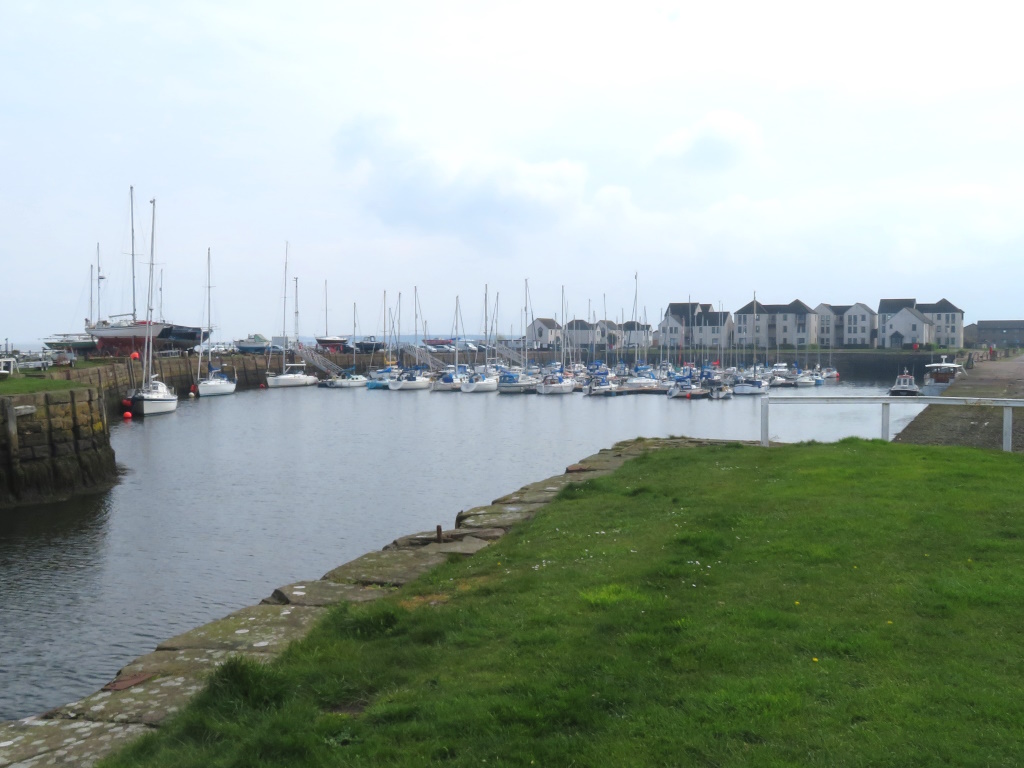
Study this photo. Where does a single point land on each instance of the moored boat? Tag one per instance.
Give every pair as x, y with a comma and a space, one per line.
905, 385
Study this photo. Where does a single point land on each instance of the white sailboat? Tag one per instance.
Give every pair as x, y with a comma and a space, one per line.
216, 382
557, 383
292, 374
347, 379
154, 396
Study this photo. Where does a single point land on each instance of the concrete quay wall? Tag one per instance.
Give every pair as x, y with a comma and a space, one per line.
53, 445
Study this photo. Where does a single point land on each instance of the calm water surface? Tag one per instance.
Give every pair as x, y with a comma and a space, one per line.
231, 497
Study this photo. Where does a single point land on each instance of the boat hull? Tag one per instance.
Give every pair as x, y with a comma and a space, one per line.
419, 382
482, 385
291, 380
211, 387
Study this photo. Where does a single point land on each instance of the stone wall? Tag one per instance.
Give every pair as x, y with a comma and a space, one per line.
53, 445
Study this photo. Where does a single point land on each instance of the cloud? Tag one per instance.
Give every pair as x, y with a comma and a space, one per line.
719, 142
402, 184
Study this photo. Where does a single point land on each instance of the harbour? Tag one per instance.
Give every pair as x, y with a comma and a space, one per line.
231, 497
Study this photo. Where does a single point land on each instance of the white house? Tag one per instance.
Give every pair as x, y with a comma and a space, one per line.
609, 335
751, 326
674, 330
636, 334
887, 309
860, 326
830, 324
908, 326
948, 323
794, 324
543, 333
579, 334
713, 330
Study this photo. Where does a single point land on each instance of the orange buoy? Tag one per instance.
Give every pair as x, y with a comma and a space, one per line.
128, 415
263, 386
135, 355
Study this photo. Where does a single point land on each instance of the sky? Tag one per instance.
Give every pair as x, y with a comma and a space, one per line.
626, 154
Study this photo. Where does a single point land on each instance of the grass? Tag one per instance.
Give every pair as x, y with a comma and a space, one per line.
853, 604
28, 385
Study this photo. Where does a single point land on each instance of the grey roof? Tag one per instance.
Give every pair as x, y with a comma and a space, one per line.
892, 306
752, 308
917, 313
634, 325
713, 318
942, 305
998, 325
683, 310
578, 325
548, 322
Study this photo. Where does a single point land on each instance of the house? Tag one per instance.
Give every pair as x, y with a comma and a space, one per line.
773, 325
674, 330
948, 320
859, 326
887, 308
751, 326
713, 330
636, 334
543, 333
579, 334
830, 324
908, 327
609, 335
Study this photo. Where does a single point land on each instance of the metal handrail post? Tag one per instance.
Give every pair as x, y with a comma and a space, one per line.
1007, 428
764, 421
885, 422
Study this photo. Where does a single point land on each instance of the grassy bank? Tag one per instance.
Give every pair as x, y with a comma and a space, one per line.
848, 604
28, 385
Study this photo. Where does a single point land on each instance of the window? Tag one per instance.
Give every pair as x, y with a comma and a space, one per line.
913, 327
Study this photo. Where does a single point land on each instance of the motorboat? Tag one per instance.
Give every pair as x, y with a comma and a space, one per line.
345, 380
517, 383
905, 385
943, 373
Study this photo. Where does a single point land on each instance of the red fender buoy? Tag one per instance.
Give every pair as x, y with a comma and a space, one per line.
127, 415
126, 403
194, 388
263, 386
135, 355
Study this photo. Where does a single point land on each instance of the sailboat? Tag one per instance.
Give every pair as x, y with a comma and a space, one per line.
216, 382
347, 379
556, 383
481, 379
292, 374
452, 379
328, 342
154, 396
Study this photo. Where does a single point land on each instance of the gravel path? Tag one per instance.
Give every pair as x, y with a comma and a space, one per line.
974, 426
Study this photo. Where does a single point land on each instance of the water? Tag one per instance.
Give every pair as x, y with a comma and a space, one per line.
231, 497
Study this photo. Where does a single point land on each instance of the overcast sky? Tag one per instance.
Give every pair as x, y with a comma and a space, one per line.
814, 151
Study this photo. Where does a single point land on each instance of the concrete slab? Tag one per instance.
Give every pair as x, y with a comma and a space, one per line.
467, 546
497, 515
260, 628
392, 567
37, 742
324, 593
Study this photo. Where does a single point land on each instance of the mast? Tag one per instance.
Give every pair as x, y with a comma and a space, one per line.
90, 321
131, 207
296, 310
209, 316
147, 373
99, 276
161, 298
284, 310
326, 332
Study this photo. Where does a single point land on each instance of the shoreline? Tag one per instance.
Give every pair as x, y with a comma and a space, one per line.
155, 686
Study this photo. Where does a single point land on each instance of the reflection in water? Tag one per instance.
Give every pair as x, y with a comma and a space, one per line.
228, 498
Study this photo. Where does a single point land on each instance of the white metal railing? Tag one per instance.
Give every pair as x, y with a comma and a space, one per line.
1006, 404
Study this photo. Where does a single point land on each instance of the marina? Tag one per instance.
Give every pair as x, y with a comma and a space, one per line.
230, 497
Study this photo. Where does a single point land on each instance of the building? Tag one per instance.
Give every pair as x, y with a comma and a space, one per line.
751, 326
609, 335
675, 328
946, 321
579, 334
775, 325
859, 326
713, 330
999, 333
908, 328
635, 334
830, 324
543, 333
